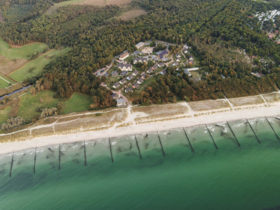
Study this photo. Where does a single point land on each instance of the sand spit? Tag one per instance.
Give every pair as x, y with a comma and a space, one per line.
135, 119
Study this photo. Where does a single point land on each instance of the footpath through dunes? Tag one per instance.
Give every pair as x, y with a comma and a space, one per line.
137, 119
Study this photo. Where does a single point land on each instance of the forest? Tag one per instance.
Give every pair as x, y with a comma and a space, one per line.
216, 30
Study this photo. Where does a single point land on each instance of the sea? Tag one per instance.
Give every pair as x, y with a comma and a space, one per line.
230, 166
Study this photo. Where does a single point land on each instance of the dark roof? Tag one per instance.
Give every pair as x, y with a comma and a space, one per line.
163, 53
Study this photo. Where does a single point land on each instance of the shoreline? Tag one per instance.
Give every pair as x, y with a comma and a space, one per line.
114, 132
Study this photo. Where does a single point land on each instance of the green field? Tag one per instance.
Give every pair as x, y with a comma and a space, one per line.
145, 84
22, 52
4, 83
36, 66
4, 114
77, 103
29, 103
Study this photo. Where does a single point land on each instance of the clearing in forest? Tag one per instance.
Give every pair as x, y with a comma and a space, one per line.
23, 52
94, 2
77, 103
132, 14
36, 66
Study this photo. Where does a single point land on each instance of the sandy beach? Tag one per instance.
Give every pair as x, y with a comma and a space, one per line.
130, 126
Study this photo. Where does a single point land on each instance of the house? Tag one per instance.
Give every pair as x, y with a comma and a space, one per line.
115, 96
161, 65
130, 77
137, 53
124, 56
163, 72
103, 84
223, 76
121, 102
140, 81
106, 75
193, 69
116, 85
185, 51
140, 60
257, 74
135, 73
178, 55
124, 73
136, 85
123, 81
125, 67
191, 58
186, 71
164, 59
143, 75
149, 71
115, 73
147, 50
139, 45
119, 61
127, 90
175, 64
154, 67
163, 54
178, 60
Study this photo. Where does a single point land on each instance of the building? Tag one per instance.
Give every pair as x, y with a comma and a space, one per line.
130, 77
163, 54
115, 96
125, 67
128, 90
223, 76
124, 73
124, 56
140, 60
136, 85
143, 75
178, 55
147, 50
154, 67
161, 65
116, 85
185, 51
163, 72
186, 71
118, 61
103, 84
115, 73
123, 81
135, 73
106, 75
175, 64
137, 53
178, 59
193, 69
139, 45
140, 81
121, 102
149, 71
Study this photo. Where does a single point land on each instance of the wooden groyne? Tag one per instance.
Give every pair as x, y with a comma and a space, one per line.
161, 145
138, 147
34, 160
253, 131
188, 140
272, 128
233, 134
11, 168
85, 153
111, 151
211, 136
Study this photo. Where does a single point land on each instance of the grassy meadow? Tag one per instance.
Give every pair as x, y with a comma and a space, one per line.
20, 52
4, 114
77, 103
4, 83
36, 66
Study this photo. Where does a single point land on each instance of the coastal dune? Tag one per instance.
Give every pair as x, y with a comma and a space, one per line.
137, 119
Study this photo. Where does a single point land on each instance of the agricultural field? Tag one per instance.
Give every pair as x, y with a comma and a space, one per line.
77, 103
29, 103
36, 66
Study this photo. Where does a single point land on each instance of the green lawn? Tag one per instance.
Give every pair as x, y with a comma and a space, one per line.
77, 103
36, 66
29, 103
22, 52
4, 83
4, 114
145, 84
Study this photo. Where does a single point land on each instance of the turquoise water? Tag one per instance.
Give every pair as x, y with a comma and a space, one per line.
167, 177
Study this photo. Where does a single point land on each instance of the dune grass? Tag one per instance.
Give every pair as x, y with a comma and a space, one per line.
29, 103
77, 103
4, 114
21, 52
36, 66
